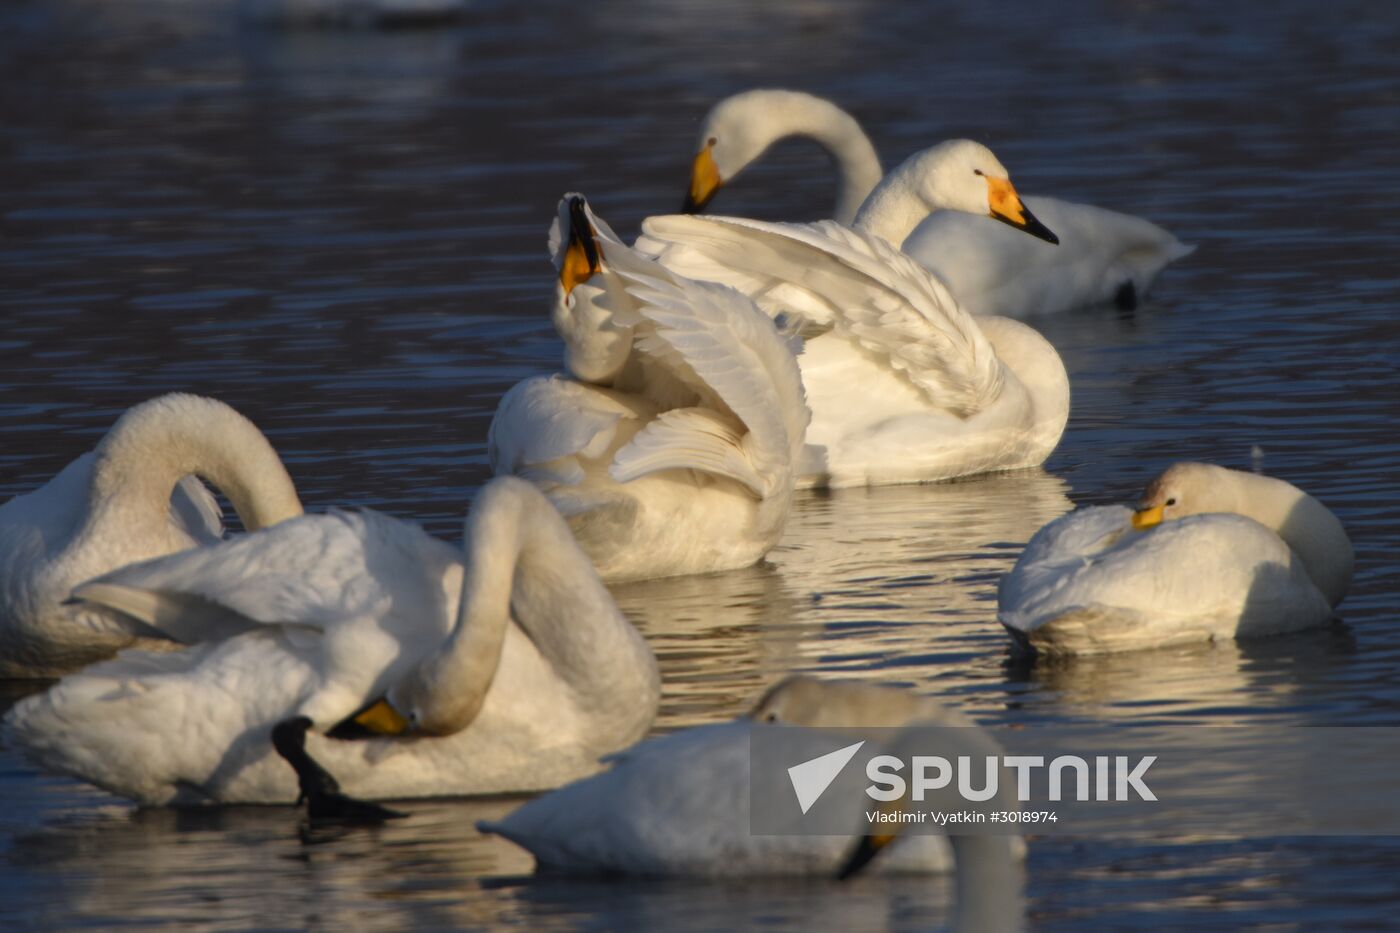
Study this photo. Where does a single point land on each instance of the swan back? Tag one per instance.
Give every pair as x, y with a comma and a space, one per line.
1306, 525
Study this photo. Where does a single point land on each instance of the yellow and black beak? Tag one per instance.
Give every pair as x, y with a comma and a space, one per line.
376, 718
1147, 518
1007, 207
582, 257
864, 851
705, 180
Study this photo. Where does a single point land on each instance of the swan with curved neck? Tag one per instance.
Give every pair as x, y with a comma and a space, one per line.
741, 128
1209, 553
679, 805
509, 670
128, 500
673, 448
1103, 255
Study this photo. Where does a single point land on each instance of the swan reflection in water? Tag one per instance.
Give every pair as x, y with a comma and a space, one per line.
895, 581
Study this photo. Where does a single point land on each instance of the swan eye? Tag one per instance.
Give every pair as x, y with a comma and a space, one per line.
712, 140
977, 171
771, 717
1171, 501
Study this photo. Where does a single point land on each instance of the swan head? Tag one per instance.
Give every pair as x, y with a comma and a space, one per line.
963, 175
736, 131
1185, 489
573, 243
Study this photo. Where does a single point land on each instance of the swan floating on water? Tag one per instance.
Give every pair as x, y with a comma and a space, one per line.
1210, 553
1102, 255
672, 449
508, 670
678, 806
134, 497
904, 385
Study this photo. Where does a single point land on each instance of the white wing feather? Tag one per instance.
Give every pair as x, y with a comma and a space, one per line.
880, 298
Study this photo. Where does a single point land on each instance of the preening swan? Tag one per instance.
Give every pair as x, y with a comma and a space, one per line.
679, 805
673, 450
904, 385
1210, 553
132, 498
510, 671
1102, 255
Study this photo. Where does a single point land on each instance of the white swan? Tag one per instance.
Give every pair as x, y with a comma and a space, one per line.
679, 805
1102, 255
678, 454
134, 497
513, 671
904, 385
1210, 553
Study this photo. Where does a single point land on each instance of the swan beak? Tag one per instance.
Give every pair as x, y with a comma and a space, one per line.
704, 182
1007, 207
381, 718
864, 851
1147, 518
582, 258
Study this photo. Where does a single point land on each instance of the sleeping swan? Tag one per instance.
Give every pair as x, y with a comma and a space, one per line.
1103, 255
671, 445
134, 497
678, 805
1210, 553
505, 669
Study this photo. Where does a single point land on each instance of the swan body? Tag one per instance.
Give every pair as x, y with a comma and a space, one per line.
512, 668
904, 385
678, 806
671, 444
1210, 554
134, 497
1102, 255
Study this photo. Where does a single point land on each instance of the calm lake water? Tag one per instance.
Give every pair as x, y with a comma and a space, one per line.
342, 234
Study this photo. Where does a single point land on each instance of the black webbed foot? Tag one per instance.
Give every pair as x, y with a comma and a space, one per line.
1126, 298
324, 801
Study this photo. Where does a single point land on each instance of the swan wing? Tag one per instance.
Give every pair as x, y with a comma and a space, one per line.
735, 352
890, 306
309, 572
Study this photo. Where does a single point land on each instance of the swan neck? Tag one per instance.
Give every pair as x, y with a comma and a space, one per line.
524, 568
989, 885
857, 164
155, 444
892, 210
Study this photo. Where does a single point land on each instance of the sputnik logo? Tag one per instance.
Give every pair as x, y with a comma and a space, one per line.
811, 778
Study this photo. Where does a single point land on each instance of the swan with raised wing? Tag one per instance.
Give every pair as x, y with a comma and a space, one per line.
507, 668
